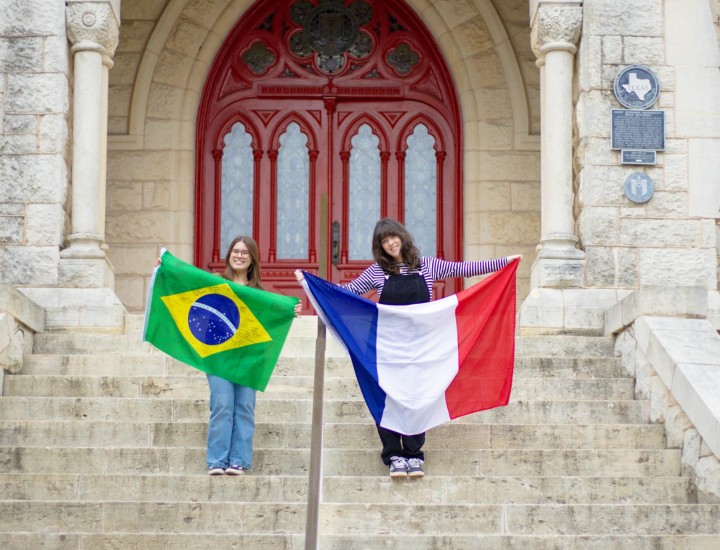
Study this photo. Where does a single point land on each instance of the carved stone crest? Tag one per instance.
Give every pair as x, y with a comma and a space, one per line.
92, 22
556, 27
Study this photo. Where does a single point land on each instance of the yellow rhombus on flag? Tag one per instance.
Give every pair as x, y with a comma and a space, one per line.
249, 331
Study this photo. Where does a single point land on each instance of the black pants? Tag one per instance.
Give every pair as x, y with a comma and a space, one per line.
395, 444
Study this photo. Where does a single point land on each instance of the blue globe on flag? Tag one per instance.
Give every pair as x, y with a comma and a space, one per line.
213, 319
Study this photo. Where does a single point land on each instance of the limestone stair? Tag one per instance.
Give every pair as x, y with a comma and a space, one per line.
102, 444
571, 462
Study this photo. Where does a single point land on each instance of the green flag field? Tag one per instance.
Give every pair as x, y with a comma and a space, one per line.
217, 326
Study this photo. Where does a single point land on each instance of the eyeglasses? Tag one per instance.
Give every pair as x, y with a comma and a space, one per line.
240, 253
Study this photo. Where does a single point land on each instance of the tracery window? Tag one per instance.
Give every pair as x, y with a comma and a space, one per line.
292, 194
237, 185
364, 192
421, 189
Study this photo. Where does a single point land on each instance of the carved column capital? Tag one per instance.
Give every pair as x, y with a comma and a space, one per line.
92, 25
556, 26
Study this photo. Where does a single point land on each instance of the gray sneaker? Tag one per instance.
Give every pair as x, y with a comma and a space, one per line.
398, 466
415, 467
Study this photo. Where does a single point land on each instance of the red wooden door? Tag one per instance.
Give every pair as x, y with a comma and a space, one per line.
318, 119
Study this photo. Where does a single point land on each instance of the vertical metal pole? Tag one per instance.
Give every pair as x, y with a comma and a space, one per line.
316, 443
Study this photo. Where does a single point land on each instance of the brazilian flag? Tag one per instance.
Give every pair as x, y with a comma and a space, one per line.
215, 325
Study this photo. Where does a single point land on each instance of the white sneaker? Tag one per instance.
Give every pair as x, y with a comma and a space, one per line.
216, 471
415, 467
398, 466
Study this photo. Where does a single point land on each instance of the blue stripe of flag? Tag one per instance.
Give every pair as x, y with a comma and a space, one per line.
354, 320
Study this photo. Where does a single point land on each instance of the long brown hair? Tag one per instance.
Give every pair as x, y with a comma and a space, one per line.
253, 275
387, 227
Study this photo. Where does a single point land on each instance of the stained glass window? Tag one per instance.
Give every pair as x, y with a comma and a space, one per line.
364, 192
293, 194
237, 186
421, 190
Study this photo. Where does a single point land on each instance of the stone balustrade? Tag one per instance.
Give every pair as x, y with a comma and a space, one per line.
669, 344
20, 318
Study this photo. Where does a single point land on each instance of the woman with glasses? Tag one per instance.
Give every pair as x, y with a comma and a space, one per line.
232, 406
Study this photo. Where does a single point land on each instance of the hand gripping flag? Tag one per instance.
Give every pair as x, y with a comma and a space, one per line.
419, 366
215, 325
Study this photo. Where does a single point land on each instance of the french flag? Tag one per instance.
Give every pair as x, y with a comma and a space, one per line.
421, 365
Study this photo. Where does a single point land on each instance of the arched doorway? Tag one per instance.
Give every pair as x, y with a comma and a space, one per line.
317, 119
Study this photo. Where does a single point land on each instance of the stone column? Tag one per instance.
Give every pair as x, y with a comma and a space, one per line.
93, 29
83, 295
556, 26
107, 65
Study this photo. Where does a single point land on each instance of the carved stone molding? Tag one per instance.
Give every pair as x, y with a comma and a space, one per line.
556, 27
91, 24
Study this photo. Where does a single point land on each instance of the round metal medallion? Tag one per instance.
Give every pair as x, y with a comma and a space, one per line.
636, 87
639, 187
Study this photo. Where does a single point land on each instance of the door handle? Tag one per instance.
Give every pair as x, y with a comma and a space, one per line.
335, 242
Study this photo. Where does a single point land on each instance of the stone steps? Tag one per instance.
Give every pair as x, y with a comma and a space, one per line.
338, 489
140, 364
229, 517
529, 412
442, 520
88, 343
171, 461
515, 462
299, 344
155, 488
353, 461
156, 541
360, 462
509, 489
336, 410
102, 439
205, 541
521, 519
553, 346
511, 436
15, 410
549, 541
285, 387
54, 433
147, 409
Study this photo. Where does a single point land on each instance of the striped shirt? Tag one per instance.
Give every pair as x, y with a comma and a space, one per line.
431, 270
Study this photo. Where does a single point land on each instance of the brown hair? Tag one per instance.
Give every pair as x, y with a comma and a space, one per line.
387, 227
253, 274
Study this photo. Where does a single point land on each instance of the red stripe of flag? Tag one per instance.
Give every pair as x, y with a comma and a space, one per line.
485, 318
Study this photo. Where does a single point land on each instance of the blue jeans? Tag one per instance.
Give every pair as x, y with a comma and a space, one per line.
232, 424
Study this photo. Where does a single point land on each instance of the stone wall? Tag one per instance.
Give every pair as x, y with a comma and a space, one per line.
670, 240
167, 46
139, 19
35, 90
